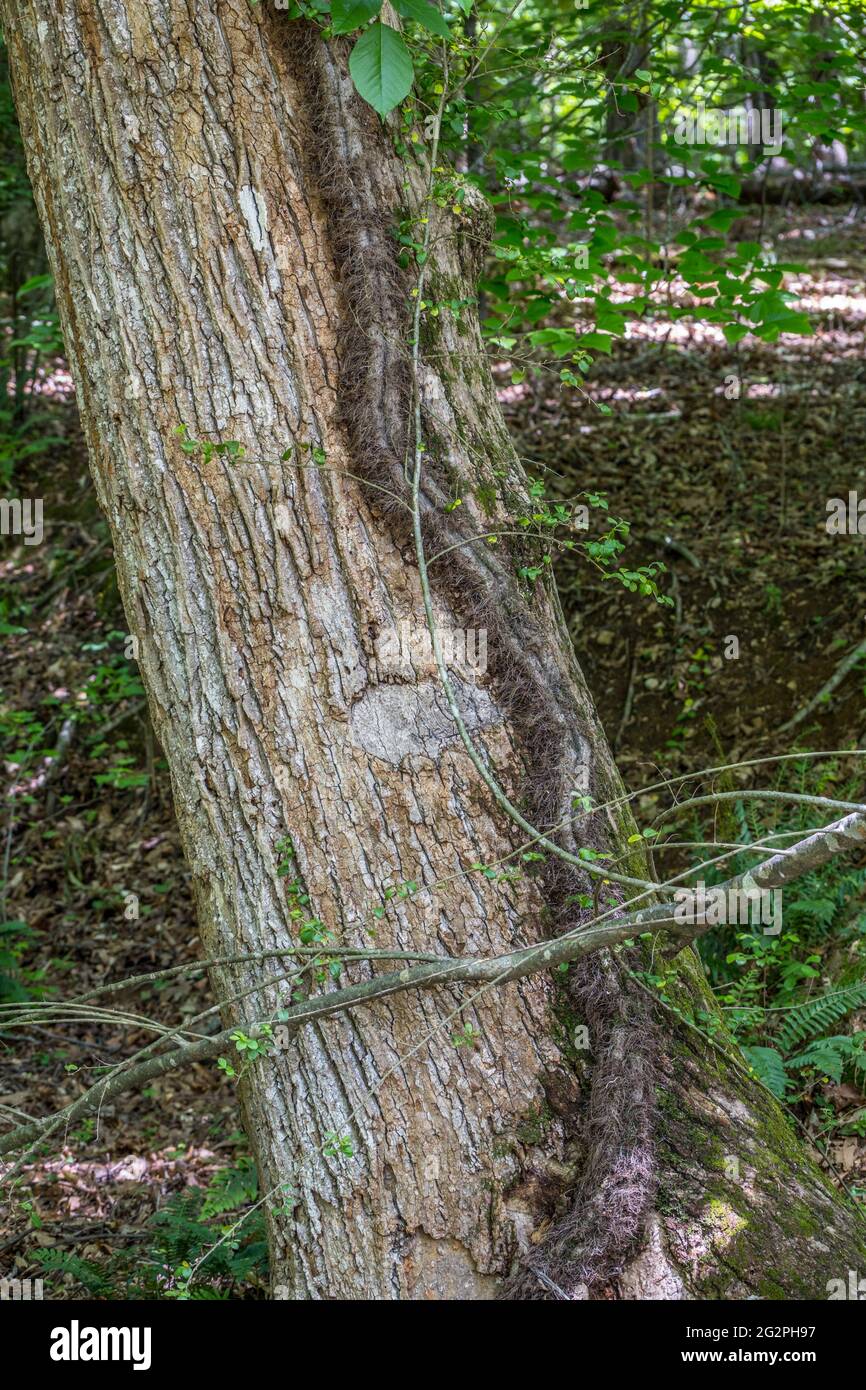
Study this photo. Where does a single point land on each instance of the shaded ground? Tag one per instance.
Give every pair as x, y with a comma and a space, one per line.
723, 461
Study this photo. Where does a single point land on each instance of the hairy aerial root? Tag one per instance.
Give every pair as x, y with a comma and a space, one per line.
354, 171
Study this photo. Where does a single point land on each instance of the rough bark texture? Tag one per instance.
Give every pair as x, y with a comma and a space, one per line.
740, 1212
218, 206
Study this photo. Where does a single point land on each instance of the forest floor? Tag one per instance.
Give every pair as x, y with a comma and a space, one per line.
722, 460
730, 491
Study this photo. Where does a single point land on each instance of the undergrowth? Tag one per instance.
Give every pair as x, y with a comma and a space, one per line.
796, 1001
191, 1224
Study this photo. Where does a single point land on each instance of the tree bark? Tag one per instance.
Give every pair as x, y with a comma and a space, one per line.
219, 208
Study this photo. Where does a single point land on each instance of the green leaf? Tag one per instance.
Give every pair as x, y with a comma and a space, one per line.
423, 13
725, 183
381, 68
559, 339
348, 15
36, 282
827, 1055
734, 332
639, 178
722, 218
600, 341
794, 323
814, 1016
608, 320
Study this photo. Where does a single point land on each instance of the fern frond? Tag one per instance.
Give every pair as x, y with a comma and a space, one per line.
85, 1272
769, 1067
828, 1055
819, 1016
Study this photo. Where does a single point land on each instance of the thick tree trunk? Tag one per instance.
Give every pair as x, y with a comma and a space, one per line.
219, 208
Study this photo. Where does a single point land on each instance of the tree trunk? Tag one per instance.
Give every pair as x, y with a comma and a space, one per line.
219, 208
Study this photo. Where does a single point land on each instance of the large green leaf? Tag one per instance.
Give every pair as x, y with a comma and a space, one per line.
348, 15
381, 68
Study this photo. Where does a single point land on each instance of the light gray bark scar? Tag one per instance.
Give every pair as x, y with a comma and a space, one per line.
393, 722
255, 211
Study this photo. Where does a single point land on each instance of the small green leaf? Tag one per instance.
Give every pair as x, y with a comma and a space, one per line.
423, 13
381, 68
36, 282
348, 15
608, 320
734, 332
600, 341
725, 183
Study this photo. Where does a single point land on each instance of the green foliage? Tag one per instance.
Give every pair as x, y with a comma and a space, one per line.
380, 62
816, 1017
571, 116
779, 1001
124, 774
338, 1145
91, 1277
555, 110
190, 1227
28, 316
230, 447
25, 740
833, 1056
769, 1067
231, 1188
467, 1036
425, 14
28, 737
23, 435
113, 679
18, 983
349, 15
552, 524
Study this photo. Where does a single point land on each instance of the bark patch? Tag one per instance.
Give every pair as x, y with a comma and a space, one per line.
393, 722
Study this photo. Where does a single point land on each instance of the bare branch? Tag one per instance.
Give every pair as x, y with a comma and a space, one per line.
775, 872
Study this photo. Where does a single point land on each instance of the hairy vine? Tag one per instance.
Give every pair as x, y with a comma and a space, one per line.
545, 703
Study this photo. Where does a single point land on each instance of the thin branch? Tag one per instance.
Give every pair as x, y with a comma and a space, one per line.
845, 665
776, 872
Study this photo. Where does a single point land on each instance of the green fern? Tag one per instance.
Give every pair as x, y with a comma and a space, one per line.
819, 911
177, 1237
231, 1188
183, 1236
89, 1275
819, 1016
769, 1066
833, 1056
